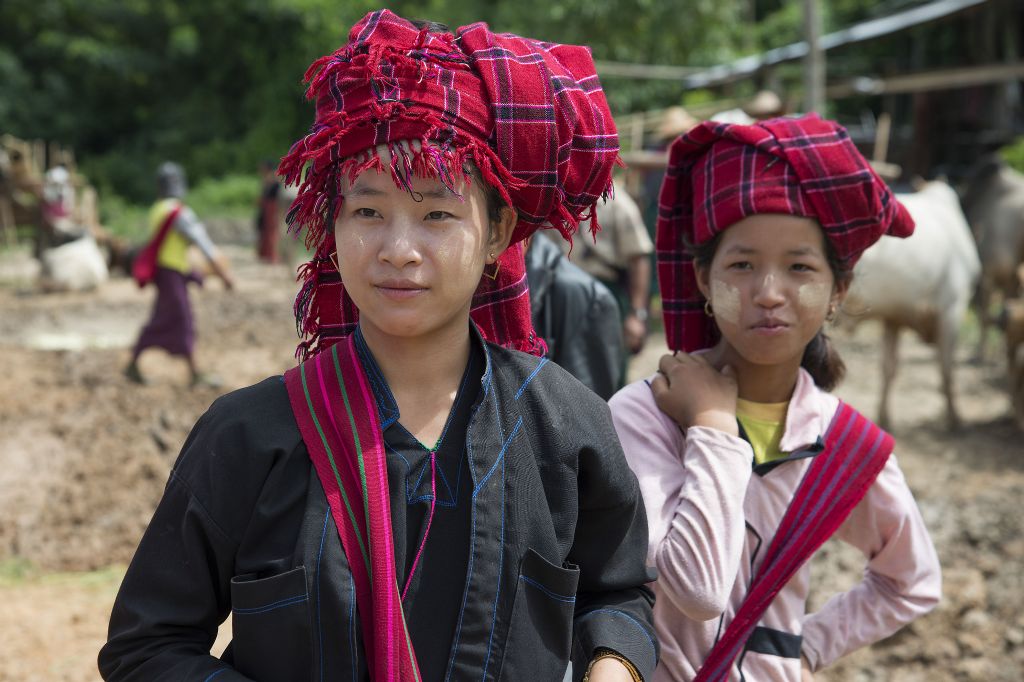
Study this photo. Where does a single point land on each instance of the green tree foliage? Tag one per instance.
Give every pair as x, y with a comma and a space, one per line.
216, 84
697, 32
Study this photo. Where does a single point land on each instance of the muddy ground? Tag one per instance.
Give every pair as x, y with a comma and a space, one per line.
84, 455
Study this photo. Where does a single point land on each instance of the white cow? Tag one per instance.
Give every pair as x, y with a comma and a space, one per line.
993, 201
924, 282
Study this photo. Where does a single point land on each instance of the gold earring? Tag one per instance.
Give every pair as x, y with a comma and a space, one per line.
497, 269
831, 317
334, 259
707, 309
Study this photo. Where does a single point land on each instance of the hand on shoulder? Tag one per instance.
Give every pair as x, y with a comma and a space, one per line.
691, 391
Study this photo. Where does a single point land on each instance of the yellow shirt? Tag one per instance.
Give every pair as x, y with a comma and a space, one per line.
174, 251
764, 424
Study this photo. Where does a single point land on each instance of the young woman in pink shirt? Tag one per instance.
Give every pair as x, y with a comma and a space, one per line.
746, 463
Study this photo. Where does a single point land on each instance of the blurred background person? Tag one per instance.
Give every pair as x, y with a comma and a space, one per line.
620, 259
577, 316
164, 262
268, 213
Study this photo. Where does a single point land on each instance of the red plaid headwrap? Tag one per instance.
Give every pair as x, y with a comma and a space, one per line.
530, 116
720, 173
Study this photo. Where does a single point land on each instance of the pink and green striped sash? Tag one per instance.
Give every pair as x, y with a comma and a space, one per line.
337, 417
837, 480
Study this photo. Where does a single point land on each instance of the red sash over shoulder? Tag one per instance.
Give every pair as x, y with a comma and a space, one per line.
837, 480
145, 263
337, 417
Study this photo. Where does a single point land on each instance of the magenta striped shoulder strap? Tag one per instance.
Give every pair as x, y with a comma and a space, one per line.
838, 478
337, 417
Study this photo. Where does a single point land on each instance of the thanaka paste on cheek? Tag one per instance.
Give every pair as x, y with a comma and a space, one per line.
814, 296
725, 301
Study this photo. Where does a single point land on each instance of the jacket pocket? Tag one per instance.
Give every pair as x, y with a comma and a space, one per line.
540, 630
271, 637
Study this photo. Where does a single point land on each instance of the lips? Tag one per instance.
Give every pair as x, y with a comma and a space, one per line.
399, 288
770, 325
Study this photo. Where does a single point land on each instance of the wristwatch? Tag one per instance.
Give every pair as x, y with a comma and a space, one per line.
639, 313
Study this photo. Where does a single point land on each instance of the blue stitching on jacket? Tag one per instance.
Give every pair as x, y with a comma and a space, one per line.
214, 674
419, 479
465, 592
408, 465
453, 495
486, 383
452, 499
501, 547
500, 460
319, 629
536, 369
559, 597
626, 616
492, 395
387, 406
270, 607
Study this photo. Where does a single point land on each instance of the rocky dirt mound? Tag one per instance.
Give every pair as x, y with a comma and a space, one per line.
84, 455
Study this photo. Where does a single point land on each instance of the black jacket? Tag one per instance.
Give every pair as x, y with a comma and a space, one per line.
577, 316
556, 552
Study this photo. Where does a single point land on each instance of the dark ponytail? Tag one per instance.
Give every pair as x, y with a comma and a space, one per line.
822, 362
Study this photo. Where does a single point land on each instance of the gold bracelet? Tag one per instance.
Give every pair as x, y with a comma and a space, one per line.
611, 653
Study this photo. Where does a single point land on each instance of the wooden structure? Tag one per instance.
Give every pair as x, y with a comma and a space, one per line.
23, 165
947, 73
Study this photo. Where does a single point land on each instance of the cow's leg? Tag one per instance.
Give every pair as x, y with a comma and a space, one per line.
981, 306
948, 328
890, 359
1015, 375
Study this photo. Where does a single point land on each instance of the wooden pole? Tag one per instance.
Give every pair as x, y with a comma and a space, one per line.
814, 62
882, 130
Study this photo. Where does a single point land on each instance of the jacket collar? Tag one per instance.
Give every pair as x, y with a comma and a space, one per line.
808, 415
387, 406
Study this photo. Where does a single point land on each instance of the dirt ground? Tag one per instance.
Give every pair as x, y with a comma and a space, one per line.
84, 455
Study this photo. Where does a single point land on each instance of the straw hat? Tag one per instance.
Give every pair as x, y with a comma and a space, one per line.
675, 121
765, 104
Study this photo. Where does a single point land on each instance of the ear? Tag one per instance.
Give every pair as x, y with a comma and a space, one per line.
500, 232
703, 274
839, 291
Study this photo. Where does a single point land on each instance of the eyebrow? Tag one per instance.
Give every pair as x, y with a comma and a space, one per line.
437, 193
440, 193
804, 251
745, 250
362, 191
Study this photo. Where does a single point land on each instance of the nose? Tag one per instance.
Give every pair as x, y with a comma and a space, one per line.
400, 245
769, 292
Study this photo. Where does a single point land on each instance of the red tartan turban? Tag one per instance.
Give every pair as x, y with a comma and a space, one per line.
720, 173
529, 116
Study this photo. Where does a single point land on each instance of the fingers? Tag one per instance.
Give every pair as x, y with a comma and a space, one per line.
659, 385
678, 358
665, 364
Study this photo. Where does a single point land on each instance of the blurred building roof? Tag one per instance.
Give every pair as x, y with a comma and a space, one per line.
747, 66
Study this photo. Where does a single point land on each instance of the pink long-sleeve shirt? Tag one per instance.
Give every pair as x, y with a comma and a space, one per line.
712, 516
